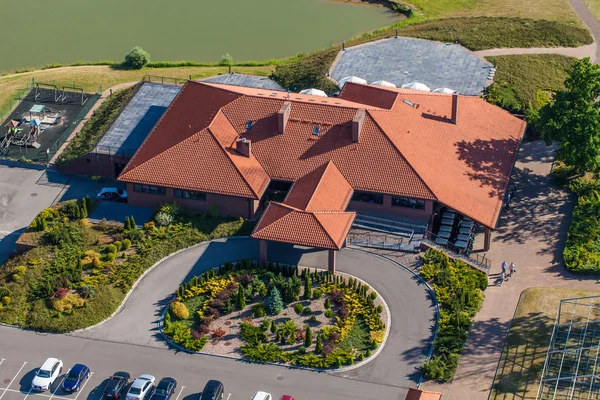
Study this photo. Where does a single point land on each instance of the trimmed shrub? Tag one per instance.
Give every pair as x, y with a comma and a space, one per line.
298, 307
329, 313
111, 249
126, 243
5, 300
163, 219
308, 337
149, 226
306, 311
118, 245
110, 257
317, 294
137, 58
274, 302
327, 303
258, 310
179, 310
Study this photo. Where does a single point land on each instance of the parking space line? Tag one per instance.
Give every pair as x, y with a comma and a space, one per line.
228, 396
27, 395
13, 379
84, 383
180, 390
59, 383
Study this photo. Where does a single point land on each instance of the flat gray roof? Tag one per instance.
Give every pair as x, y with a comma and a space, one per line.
404, 60
252, 81
136, 121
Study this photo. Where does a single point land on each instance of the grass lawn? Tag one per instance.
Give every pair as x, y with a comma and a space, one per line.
594, 7
91, 77
359, 336
522, 80
525, 351
555, 10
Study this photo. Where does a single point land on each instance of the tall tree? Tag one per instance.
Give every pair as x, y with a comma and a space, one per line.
573, 120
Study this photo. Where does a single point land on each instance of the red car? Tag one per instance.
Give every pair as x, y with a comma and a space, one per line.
287, 397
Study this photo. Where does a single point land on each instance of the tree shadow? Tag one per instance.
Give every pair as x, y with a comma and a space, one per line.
488, 163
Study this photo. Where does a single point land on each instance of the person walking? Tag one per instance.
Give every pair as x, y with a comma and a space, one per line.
503, 267
512, 269
501, 279
513, 190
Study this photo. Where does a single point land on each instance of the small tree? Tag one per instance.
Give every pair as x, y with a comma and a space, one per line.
132, 223
127, 224
273, 326
327, 303
307, 287
226, 59
241, 298
319, 345
307, 337
274, 302
137, 58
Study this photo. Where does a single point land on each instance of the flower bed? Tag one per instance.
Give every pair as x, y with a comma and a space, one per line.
267, 312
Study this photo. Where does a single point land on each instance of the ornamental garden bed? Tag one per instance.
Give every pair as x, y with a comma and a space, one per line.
77, 272
266, 312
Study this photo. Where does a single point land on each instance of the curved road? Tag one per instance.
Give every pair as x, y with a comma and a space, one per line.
411, 307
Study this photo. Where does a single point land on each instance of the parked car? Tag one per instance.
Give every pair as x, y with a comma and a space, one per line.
76, 376
262, 396
287, 397
46, 375
112, 193
164, 389
115, 385
141, 387
212, 391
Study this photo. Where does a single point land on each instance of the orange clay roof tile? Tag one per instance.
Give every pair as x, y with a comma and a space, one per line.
417, 394
312, 214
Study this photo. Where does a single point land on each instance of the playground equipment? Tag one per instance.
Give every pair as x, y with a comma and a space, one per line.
45, 92
50, 92
73, 95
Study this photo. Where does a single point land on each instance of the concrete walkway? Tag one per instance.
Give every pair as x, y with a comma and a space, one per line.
532, 235
411, 307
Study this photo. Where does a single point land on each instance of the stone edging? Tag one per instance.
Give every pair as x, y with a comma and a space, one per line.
120, 308
431, 292
348, 368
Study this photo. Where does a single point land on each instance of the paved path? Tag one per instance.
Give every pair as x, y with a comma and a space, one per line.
590, 50
532, 235
410, 305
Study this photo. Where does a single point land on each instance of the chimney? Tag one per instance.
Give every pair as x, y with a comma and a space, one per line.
283, 115
244, 147
357, 124
454, 117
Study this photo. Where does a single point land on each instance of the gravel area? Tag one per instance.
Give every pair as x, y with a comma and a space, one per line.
229, 345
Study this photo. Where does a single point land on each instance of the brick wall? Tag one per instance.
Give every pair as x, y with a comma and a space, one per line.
227, 205
94, 165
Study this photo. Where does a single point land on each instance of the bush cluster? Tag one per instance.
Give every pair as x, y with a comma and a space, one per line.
459, 291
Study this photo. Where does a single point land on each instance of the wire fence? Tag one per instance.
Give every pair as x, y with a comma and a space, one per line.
14, 101
164, 80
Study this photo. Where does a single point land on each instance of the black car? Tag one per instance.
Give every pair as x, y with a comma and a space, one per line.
212, 391
164, 390
115, 385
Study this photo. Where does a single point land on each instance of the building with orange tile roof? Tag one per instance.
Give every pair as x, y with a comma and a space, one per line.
402, 152
417, 394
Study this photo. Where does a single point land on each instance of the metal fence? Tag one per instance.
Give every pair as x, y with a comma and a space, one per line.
164, 80
14, 101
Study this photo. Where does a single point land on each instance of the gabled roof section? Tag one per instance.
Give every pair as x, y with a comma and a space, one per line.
417, 394
206, 161
466, 165
313, 213
325, 188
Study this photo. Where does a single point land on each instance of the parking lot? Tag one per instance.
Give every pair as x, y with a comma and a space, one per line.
16, 379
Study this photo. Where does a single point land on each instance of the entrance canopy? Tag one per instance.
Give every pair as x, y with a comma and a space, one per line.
312, 213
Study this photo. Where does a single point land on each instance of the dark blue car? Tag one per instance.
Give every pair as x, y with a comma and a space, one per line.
164, 389
75, 378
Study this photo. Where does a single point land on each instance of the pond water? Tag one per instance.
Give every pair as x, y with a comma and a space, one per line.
39, 32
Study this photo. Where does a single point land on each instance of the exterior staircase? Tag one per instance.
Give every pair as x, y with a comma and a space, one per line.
389, 233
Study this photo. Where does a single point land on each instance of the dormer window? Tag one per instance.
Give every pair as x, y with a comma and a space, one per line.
249, 125
315, 131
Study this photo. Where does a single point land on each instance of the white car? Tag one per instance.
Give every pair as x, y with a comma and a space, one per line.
140, 387
262, 396
46, 375
112, 193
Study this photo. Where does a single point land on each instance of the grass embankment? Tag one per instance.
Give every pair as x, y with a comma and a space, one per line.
594, 7
80, 272
96, 126
526, 80
524, 354
91, 77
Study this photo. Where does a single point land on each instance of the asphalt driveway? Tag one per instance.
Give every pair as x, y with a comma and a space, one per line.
412, 309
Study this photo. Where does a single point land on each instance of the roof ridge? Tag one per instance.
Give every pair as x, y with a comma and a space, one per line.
312, 195
408, 163
255, 231
324, 229
232, 162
